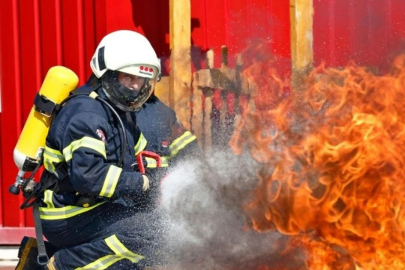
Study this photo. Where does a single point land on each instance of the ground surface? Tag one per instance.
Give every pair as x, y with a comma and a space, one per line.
8, 257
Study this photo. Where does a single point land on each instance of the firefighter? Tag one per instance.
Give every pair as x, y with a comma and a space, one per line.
98, 214
165, 135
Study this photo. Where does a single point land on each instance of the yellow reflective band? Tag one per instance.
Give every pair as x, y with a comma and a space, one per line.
153, 164
102, 263
110, 181
52, 156
51, 264
181, 142
140, 145
48, 198
88, 142
64, 212
93, 95
120, 250
49, 166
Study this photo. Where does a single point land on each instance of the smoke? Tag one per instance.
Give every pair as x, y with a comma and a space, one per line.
207, 228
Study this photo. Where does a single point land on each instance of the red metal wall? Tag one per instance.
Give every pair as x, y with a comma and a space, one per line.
370, 32
38, 34
237, 23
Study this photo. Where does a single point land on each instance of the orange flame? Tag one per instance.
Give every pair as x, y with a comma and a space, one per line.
333, 162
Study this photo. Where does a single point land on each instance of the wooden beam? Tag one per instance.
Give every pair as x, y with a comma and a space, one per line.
207, 123
180, 60
301, 18
198, 113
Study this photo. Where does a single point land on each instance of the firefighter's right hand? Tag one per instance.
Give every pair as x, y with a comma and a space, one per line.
146, 185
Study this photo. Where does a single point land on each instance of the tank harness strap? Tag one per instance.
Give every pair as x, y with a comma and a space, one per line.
33, 200
61, 173
45, 105
42, 257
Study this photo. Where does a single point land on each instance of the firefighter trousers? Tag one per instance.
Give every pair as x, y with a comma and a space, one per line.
109, 236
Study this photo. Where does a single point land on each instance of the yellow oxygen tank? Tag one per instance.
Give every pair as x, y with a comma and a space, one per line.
58, 83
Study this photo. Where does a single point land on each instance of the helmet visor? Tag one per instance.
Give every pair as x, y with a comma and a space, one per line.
127, 91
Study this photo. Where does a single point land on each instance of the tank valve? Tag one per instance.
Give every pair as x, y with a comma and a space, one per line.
19, 181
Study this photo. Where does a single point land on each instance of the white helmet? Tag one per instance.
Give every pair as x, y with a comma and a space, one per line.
129, 52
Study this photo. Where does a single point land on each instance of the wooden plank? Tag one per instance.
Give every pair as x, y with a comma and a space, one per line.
197, 113
301, 17
224, 78
180, 60
207, 123
224, 93
238, 100
207, 126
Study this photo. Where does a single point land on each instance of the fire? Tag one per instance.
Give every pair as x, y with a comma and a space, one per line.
333, 159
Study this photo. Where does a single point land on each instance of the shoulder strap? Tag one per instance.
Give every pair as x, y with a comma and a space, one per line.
91, 85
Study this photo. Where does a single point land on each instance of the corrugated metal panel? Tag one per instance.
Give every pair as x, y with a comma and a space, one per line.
237, 23
36, 35
369, 32
11, 110
33, 37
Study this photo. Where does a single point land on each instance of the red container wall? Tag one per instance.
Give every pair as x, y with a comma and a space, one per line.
36, 35
236, 24
369, 32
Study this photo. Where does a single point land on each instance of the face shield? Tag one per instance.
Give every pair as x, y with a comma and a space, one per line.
130, 87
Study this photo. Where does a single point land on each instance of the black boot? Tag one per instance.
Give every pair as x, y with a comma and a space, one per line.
28, 253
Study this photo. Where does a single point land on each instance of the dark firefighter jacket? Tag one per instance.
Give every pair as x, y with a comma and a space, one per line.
165, 135
82, 150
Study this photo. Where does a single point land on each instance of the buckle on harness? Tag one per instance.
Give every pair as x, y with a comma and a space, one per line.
42, 259
30, 197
